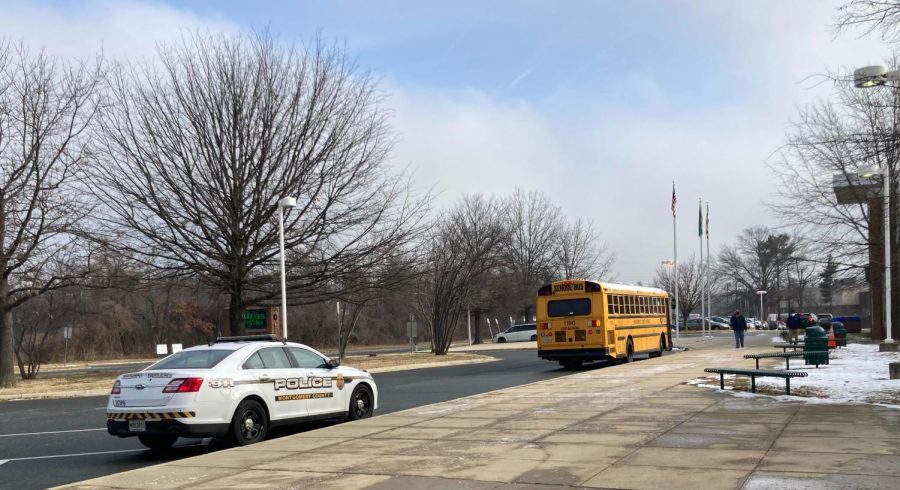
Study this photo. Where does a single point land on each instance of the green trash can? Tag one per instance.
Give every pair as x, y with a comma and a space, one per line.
840, 334
816, 341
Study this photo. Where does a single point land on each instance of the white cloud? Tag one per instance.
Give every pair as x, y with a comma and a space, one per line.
121, 29
596, 158
616, 166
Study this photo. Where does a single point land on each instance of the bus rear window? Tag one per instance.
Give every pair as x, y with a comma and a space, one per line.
569, 307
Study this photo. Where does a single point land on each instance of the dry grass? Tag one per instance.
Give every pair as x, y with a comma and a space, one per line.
58, 366
99, 383
62, 386
421, 359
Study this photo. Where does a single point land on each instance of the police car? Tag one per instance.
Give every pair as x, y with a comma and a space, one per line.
237, 388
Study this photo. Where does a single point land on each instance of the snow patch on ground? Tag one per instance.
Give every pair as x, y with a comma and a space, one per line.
857, 373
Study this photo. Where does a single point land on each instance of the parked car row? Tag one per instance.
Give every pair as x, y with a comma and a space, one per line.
715, 323
722, 323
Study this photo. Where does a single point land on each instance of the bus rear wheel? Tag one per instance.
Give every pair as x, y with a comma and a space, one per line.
570, 364
662, 347
629, 351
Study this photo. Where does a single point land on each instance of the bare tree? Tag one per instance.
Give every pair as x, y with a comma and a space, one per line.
826, 150
464, 246
45, 108
581, 254
870, 16
360, 291
690, 284
827, 147
758, 258
199, 146
534, 226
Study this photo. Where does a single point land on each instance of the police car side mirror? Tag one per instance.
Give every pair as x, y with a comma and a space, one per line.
333, 363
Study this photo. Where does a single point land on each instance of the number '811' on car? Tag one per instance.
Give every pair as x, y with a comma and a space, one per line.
237, 388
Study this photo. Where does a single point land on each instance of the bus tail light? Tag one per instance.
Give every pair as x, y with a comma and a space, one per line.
545, 325
594, 323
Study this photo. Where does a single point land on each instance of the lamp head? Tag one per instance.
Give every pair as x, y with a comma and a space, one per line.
287, 202
869, 172
870, 76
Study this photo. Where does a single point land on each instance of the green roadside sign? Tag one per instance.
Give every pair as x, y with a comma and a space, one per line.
255, 319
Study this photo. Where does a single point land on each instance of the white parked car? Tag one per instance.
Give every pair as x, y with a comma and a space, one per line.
517, 333
237, 387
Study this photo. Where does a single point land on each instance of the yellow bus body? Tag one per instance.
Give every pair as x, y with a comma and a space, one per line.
581, 321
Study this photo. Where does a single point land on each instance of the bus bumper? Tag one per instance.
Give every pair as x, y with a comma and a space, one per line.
594, 354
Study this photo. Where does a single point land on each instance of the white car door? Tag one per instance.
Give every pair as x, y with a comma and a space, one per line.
519, 333
279, 382
325, 387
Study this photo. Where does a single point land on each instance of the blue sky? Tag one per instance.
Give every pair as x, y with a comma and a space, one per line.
524, 49
601, 104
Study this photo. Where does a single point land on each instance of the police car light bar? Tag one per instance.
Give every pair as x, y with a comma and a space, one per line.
251, 338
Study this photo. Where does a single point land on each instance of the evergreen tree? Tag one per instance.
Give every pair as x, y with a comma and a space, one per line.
826, 287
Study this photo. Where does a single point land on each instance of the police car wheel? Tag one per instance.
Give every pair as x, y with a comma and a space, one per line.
249, 424
157, 442
360, 404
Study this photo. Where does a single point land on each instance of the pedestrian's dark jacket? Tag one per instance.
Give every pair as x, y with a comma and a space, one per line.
794, 321
738, 322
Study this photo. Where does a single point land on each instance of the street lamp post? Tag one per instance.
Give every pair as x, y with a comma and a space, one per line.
866, 77
761, 294
285, 202
868, 173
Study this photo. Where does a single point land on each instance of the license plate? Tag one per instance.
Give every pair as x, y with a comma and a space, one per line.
137, 425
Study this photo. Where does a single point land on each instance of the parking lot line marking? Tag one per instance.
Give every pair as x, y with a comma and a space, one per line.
52, 456
50, 432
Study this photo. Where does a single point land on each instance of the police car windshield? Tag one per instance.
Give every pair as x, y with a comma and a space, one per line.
193, 359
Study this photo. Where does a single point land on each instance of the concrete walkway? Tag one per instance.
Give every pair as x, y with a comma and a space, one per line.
628, 426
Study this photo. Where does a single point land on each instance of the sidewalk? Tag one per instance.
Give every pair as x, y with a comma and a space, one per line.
629, 426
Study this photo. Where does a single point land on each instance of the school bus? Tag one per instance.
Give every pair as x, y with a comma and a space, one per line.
580, 321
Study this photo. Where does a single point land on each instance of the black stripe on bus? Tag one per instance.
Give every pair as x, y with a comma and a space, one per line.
640, 326
639, 336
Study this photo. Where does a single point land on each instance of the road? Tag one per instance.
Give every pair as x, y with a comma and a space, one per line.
51, 442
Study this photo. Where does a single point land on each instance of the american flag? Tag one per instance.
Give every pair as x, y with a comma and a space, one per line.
674, 199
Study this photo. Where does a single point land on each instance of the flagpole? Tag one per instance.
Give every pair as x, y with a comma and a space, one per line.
702, 275
675, 245
708, 293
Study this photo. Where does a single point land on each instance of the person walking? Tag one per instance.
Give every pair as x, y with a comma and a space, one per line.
794, 323
738, 324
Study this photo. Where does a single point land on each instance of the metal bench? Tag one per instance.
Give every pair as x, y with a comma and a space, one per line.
753, 373
784, 346
784, 355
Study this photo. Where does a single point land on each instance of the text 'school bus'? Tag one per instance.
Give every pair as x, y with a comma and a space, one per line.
580, 321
